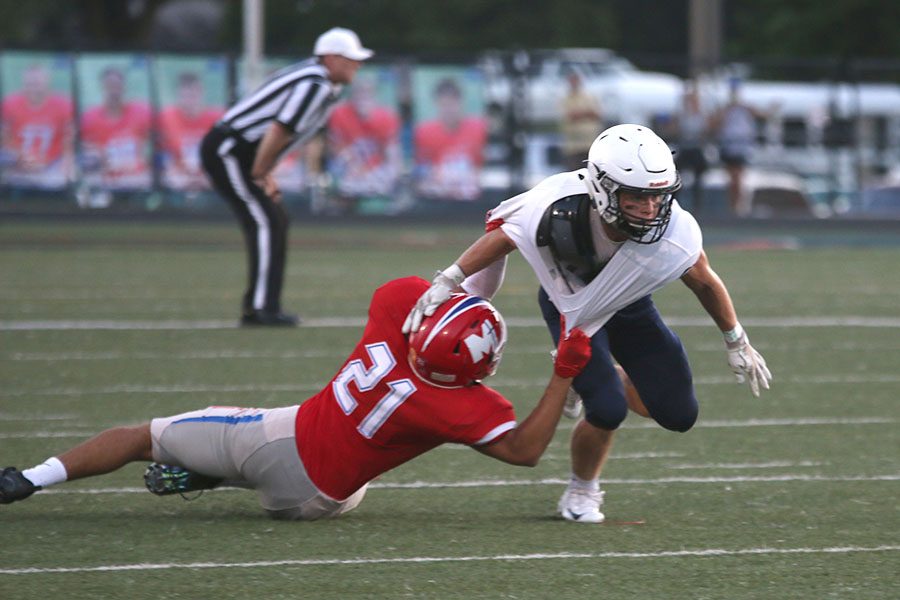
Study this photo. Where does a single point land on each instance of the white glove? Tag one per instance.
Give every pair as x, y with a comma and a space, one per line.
441, 287
745, 361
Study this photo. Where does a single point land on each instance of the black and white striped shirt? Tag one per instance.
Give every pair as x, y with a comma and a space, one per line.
300, 97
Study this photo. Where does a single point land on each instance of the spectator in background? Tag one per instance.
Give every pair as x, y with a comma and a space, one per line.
37, 133
691, 135
582, 121
735, 129
181, 128
364, 144
450, 148
115, 137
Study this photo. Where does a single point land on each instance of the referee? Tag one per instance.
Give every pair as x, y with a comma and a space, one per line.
241, 150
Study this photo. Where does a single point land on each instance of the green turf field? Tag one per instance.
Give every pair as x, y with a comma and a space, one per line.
793, 495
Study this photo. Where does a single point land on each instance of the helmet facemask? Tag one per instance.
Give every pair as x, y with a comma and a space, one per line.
640, 230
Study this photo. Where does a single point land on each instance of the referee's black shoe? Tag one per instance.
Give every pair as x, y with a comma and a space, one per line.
14, 486
262, 318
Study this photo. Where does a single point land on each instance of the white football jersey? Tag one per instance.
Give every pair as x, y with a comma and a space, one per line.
634, 271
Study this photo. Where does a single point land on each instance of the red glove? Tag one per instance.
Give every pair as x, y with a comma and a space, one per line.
572, 354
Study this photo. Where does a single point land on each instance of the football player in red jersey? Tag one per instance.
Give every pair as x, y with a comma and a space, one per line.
395, 397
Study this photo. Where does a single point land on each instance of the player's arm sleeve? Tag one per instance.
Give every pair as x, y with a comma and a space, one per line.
486, 420
487, 282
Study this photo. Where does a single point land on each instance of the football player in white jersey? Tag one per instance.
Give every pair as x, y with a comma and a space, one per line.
600, 241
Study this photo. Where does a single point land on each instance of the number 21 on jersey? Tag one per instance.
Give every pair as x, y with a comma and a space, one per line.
366, 380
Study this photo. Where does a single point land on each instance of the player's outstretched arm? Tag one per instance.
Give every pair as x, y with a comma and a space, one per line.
745, 361
525, 444
487, 249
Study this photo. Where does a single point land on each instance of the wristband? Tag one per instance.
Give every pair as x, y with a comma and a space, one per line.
734, 335
454, 274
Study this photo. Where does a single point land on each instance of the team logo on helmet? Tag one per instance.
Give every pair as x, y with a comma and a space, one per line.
484, 344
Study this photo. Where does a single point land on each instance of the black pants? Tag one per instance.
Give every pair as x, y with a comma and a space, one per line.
652, 355
228, 160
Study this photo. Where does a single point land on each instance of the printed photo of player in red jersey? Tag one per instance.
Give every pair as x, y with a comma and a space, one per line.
37, 131
449, 136
365, 158
116, 128
184, 118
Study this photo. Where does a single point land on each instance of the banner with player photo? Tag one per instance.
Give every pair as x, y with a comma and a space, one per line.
191, 95
36, 128
365, 159
450, 132
115, 121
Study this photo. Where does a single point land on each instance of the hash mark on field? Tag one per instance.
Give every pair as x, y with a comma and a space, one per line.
699, 553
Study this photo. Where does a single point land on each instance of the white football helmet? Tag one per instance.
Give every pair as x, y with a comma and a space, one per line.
632, 158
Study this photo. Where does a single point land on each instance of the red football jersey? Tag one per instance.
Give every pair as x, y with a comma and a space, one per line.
435, 144
362, 140
37, 133
180, 133
377, 414
121, 139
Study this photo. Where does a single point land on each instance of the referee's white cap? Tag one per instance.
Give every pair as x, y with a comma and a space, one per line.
343, 42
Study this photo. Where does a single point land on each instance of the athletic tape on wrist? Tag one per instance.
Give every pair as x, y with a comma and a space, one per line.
734, 335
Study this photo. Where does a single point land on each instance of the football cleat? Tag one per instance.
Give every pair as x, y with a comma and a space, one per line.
581, 506
261, 318
15, 486
573, 405
165, 480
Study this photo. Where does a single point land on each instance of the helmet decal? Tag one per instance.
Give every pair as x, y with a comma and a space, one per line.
483, 344
456, 311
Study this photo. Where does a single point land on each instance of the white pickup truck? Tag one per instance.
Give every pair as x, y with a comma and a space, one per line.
625, 93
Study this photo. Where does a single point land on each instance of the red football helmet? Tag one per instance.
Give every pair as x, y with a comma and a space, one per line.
461, 343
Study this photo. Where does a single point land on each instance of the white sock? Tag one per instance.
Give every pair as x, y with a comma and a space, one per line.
590, 485
50, 472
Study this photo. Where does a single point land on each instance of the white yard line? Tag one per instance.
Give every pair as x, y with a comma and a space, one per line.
500, 382
225, 354
125, 389
775, 464
195, 355
696, 553
48, 417
489, 483
86, 324
710, 424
